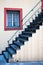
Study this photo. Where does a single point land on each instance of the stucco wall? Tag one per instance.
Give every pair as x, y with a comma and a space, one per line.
26, 6
33, 49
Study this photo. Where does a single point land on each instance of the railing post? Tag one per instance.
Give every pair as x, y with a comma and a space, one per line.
8, 43
42, 5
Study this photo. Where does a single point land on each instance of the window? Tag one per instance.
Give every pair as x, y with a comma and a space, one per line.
12, 18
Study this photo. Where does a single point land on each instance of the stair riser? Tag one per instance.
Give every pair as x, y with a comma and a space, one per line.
18, 44
40, 24
30, 26
34, 25
7, 60
30, 30
24, 37
28, 34
15, 44
9, 52
39, 16
37, 19
14, 49
20, 41
37, 27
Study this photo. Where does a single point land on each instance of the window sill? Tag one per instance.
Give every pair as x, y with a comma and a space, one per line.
8, 29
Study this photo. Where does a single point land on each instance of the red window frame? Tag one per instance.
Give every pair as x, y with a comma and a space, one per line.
42, 5
20, 20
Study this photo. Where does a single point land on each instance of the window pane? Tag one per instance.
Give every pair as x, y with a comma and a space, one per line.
12, 19
9, 24
9, 19
16, 19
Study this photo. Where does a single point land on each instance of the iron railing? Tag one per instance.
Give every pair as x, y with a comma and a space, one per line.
27, 19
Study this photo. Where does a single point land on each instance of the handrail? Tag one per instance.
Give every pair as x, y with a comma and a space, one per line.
24, 18
30, 10
32, 15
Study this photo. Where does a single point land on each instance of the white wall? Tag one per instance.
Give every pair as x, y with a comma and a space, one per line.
33, 49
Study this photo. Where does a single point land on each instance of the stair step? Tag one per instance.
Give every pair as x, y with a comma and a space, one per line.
27, 33
6, 55
36, 24
24, 36
30, 26
30, 30
18, 43
42, 14
39, 16
40, 23
15, 47
21, 39
2, 59
37, 19
33, 23
42, 20
11, 51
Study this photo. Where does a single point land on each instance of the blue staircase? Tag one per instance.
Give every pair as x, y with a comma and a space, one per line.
19, 41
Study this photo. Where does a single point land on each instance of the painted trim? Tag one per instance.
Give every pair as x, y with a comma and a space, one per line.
20, 20
42, 5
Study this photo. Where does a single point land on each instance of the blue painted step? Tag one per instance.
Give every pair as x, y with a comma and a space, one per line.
15, 47
6, 55
11, 51
21, 39
27, 34
36, 27
42, 20
18, 43
37, 19
42, 14
36, 24
31, 29
39, 16
24, 36
30, 26
2, 59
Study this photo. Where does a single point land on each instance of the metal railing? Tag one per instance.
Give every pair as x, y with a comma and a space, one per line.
28, 20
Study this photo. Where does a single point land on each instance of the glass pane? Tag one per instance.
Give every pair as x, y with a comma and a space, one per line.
9, 24
9, 19
16, 19
12, 19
